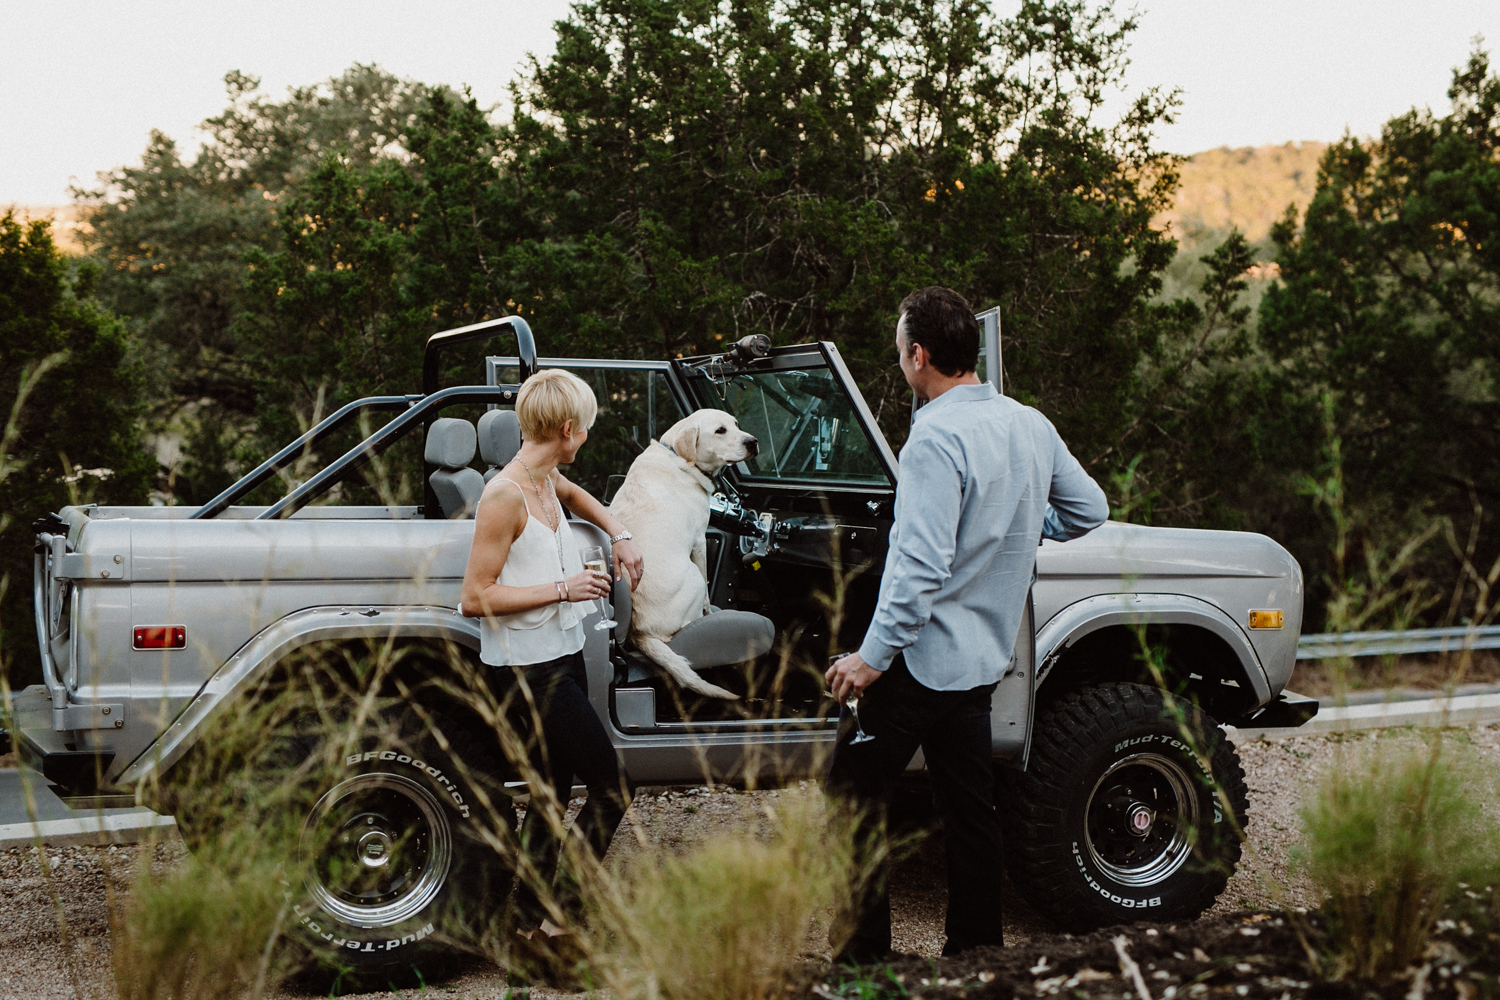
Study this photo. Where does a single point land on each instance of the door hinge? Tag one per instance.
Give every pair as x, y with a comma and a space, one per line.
94, 716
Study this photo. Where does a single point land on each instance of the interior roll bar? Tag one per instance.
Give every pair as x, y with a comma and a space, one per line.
422, 411
431, 370
304, 444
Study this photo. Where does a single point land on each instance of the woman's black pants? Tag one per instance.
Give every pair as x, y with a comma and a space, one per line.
572, 743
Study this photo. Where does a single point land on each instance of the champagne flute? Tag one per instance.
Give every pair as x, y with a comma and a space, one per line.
593, 561
851, 701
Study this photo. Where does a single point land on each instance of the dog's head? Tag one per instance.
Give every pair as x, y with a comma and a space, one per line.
710, 439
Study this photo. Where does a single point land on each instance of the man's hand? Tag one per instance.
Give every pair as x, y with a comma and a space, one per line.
628, 559
851, 674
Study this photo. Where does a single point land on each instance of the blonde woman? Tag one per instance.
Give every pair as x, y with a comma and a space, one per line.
527, 584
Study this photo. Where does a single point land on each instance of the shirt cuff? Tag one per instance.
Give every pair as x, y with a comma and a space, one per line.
877, 655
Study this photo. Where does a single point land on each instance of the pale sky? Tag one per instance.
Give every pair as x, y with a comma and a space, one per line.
82, 83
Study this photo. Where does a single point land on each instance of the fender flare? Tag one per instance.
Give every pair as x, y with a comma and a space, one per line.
1093, 613
242, 670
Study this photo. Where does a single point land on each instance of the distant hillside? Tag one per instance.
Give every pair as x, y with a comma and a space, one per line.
64, 222
1247, 187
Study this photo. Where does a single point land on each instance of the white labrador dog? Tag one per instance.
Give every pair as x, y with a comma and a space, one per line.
664, 504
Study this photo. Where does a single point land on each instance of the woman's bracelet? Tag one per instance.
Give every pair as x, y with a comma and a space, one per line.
562, 595
622, 536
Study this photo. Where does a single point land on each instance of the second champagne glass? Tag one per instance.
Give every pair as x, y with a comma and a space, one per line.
851, 702
593, 561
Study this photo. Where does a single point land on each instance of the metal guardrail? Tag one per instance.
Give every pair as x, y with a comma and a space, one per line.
1421, 640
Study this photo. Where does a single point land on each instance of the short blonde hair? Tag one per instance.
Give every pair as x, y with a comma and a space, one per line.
551, 398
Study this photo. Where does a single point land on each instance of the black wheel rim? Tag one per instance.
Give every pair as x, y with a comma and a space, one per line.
1140, 819
376, 850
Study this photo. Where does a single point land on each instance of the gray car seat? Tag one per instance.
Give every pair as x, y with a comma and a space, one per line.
499, 439
718, 639
450, 446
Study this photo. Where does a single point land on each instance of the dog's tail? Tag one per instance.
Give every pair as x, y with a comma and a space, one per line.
680, 670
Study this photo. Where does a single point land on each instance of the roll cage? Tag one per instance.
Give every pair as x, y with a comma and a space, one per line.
801, 400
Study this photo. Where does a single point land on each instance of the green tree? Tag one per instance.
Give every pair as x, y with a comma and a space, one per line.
173, 238
693, 172
77, 437
1389, 305
681, 173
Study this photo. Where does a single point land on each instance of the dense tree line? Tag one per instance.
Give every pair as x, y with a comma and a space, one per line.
1388, 311
680, 173
70, 396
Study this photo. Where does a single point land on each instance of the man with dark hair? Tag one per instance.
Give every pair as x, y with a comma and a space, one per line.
940, 320
983, 480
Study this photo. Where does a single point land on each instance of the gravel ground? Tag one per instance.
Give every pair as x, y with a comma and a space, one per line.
35, 963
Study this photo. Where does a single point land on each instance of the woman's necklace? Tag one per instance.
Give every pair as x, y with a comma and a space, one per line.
542, 503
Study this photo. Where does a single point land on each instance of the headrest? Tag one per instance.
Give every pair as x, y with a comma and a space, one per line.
450, 443
499, 437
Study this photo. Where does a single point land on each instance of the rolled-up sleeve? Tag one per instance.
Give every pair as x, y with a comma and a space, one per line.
1075, 503
922, 549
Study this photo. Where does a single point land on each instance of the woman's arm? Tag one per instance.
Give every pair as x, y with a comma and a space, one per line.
499, 521
628, 558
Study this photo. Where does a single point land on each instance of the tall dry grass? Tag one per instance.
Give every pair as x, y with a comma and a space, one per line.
1397, 828
730, 918
1390, 835
726, 918
212, 928
217, 924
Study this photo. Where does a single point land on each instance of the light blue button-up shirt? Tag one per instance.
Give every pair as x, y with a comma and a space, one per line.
983, 480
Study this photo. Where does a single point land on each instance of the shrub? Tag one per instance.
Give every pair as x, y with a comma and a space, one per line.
1392, 831
206, 929
728, 918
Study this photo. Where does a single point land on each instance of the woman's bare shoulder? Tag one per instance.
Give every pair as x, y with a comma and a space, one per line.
501, 504
502, 486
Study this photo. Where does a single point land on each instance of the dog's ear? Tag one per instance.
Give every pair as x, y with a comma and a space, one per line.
686, 443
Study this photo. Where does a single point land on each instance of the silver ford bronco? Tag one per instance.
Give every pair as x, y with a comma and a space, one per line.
1122, 797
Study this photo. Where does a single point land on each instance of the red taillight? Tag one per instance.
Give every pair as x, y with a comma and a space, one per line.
160, 636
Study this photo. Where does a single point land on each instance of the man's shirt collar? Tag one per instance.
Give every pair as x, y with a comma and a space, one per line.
959, 394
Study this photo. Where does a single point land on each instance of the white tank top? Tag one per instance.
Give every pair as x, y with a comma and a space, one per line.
543, 633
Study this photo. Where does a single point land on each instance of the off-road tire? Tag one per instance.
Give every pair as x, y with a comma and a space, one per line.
1121, 814
387, 804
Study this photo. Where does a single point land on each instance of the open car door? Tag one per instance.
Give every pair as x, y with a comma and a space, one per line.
824, 482
814, 427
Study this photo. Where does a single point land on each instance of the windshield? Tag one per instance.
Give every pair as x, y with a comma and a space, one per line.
804, 421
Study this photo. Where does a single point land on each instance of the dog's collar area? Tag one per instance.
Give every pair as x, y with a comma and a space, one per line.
675, 455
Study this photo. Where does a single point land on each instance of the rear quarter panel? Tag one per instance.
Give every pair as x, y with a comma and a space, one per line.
227, 581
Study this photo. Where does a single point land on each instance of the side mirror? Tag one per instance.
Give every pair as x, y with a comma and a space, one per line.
750, 348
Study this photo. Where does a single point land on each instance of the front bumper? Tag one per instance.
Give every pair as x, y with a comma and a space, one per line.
1288, 711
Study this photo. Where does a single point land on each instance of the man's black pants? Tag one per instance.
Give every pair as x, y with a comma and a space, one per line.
953, 730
